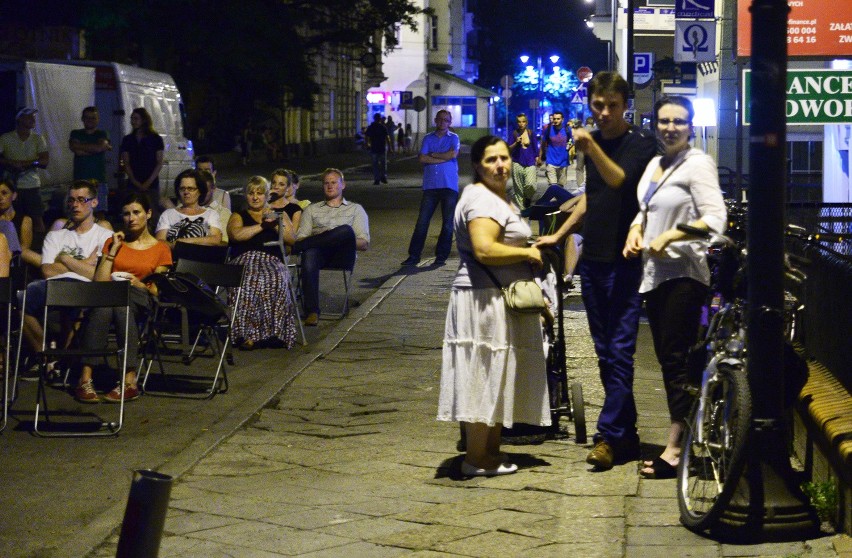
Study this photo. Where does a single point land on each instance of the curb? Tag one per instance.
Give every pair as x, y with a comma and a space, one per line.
90, 537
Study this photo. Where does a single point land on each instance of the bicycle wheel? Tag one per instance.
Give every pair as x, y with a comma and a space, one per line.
578, 413
713, 445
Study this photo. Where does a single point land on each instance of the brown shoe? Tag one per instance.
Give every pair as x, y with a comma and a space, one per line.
85, 393
601, 455
312, 319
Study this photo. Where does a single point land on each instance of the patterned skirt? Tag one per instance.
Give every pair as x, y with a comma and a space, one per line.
266, 310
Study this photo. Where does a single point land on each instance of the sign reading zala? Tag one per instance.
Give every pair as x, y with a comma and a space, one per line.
813, 97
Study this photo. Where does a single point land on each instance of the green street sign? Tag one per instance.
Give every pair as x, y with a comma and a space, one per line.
813, 97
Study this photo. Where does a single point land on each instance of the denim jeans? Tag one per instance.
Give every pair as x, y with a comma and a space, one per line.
613, 305
380, 166
334, 248
447, 198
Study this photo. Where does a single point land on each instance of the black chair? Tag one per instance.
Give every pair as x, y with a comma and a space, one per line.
78, 295
291, 263
210, 324
6, 298
200, 252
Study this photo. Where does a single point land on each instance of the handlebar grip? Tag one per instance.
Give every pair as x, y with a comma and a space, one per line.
828, 237
693, 230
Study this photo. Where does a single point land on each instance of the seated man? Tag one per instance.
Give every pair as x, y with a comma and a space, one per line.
329, 234
68, 254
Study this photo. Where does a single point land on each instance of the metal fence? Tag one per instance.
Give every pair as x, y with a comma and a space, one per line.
828, 289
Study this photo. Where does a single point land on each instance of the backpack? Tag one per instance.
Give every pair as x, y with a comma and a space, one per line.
189, 291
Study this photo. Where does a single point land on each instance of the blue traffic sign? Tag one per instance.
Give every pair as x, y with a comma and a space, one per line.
694, 9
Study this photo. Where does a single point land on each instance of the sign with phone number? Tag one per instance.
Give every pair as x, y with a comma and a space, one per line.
814, 28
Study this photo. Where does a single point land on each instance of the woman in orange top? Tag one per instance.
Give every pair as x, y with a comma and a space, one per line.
130, 255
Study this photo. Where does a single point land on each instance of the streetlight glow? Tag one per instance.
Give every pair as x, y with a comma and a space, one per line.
524, 58
554, 58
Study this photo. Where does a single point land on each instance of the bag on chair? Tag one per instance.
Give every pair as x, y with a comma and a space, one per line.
189, 291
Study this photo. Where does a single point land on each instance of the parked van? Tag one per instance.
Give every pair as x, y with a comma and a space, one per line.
61, 89
119, 89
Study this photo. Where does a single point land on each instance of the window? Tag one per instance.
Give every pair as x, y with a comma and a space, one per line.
433, 32
463, 109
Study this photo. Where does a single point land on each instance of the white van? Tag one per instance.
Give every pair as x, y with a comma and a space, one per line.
119, 89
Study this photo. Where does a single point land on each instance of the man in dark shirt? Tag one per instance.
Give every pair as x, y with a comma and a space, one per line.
616, 155
378, 141
89, 145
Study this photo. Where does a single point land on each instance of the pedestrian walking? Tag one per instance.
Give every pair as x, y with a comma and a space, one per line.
378, 141
524, 147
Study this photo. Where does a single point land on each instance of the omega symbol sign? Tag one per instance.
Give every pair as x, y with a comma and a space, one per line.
695, 41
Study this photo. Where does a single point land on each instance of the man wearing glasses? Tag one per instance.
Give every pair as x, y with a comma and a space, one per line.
68, 254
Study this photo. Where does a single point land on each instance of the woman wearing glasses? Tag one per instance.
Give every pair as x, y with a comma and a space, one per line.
191, 222
679, 186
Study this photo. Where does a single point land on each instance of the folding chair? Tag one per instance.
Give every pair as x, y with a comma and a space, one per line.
6, 297
347, 282
218, 275
200, 252
18, 299
80, 295
292, 276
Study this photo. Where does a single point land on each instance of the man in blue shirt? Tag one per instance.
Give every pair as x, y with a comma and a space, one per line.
554, 151
438, 155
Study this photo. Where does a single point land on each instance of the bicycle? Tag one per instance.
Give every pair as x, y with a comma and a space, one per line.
717, 429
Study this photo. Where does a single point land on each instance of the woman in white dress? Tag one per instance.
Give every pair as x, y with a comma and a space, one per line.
493, 370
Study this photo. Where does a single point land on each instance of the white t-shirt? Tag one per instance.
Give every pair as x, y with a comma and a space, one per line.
80, 246
171, 217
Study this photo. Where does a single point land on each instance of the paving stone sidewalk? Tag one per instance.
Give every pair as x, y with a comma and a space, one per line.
349, 461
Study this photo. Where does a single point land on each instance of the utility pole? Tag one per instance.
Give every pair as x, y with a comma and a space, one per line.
768, 504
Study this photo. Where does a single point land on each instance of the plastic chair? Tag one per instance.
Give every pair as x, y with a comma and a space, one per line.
220, 276
83, 295
293, 276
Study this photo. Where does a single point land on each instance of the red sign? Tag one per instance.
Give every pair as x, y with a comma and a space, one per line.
584, 74
814, 28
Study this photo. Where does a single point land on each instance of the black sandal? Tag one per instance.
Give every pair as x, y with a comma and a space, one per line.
660, 469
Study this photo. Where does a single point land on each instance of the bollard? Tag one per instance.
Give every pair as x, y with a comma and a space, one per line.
145, 515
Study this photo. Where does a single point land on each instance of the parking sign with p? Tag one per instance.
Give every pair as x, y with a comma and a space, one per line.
643, 63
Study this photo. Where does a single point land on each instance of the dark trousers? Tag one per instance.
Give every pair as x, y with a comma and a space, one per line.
380, 166
335, 249
674, 314
446, 198
613, 305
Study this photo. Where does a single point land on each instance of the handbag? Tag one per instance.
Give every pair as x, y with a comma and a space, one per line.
522, 296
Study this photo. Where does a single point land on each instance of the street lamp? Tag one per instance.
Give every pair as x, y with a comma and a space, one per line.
554, 58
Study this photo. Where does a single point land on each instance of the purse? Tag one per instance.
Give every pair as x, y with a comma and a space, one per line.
523, 296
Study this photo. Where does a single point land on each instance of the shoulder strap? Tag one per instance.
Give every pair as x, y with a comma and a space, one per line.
484, 268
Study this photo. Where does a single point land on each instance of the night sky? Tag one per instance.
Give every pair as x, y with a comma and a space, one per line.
509, 28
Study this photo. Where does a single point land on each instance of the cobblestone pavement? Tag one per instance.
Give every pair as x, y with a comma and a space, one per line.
349, 461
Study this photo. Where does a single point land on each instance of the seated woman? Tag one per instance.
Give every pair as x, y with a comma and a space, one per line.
23, 224
266, 312
282, 196
5, 256
191, 222
130, 255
